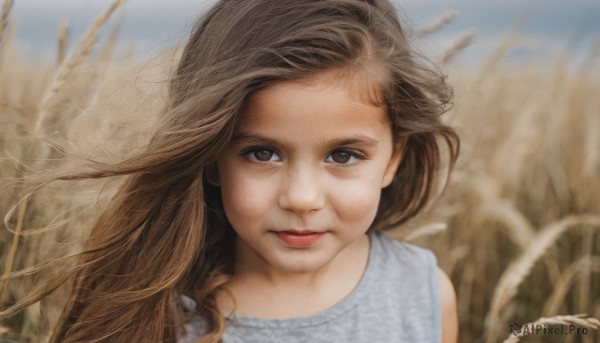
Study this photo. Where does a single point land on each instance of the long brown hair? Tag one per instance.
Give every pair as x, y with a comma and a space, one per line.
164, 232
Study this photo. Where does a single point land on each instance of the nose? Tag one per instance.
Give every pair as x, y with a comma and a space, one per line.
301, 190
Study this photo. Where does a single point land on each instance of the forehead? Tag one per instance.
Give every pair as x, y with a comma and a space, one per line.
314, 103
352, 89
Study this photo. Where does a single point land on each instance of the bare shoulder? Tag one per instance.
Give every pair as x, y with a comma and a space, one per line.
449, 308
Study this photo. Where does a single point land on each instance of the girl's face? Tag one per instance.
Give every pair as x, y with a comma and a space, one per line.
308, 159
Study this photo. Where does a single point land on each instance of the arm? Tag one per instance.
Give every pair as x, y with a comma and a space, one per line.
448, 308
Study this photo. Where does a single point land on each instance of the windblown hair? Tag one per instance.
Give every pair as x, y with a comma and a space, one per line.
164, 232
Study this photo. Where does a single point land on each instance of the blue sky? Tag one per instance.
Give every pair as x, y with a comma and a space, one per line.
553, 25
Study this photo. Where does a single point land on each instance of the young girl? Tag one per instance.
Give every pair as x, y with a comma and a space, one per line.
296, 131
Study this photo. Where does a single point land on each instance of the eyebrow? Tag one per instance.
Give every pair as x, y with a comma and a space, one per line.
358, 140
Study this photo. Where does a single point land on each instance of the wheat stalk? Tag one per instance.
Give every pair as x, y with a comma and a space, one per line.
567, 278
62, 37
4, 19
109, 47
518, 227
585, 275
437, 24
463, 41
500, 51
82, 51
515, 273
10, 259
426, 230
576, 319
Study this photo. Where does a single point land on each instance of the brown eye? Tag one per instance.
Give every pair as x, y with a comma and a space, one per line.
341, 157
263, 155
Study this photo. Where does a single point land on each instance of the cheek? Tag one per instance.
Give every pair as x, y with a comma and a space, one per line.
356, 201
244, 199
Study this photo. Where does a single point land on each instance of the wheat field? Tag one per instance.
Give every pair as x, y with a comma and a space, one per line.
516, 229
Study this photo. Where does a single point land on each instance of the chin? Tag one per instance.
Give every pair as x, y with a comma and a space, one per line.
300, 264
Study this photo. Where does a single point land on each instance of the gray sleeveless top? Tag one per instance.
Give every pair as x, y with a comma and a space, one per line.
397, 300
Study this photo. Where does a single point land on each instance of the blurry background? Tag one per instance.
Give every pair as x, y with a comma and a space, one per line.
153, 25
516, 229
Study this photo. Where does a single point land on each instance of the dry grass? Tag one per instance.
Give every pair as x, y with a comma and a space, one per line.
437, 24
4, 17
62, 38
463, 41
82, 51
516, 230
515, 273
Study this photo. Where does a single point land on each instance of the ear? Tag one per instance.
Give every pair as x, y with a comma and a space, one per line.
394, 163
211, 174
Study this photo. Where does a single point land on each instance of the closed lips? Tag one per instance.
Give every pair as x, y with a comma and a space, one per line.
305, 232
299, 238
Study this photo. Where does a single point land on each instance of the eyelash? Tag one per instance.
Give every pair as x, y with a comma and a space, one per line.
359, 156
249, 151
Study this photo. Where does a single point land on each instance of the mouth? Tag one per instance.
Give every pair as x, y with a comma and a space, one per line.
303, 238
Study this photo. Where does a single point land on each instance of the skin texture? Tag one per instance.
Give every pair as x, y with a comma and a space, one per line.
306, 156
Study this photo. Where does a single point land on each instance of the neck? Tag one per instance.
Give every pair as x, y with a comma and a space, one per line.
260, 290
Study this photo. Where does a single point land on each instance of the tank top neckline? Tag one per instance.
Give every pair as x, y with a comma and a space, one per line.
324, 316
